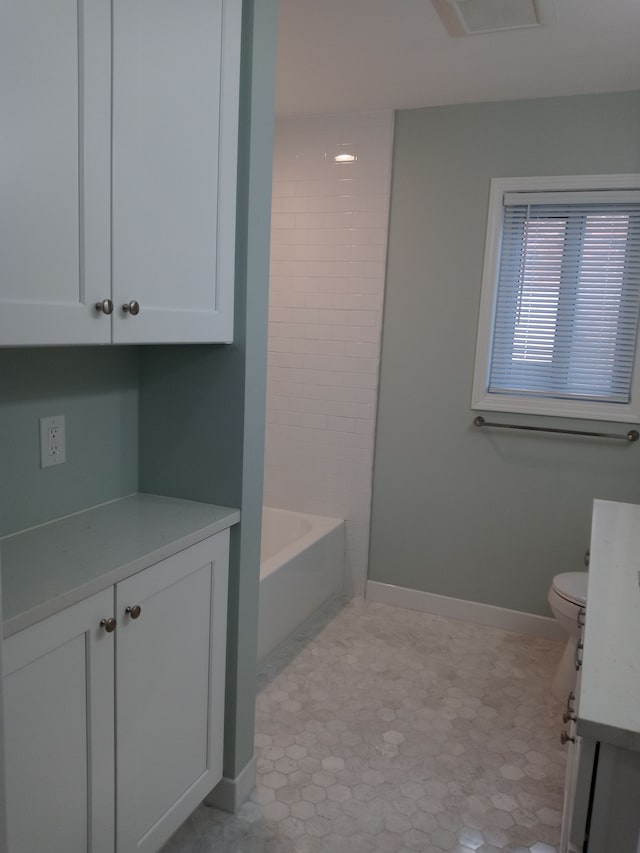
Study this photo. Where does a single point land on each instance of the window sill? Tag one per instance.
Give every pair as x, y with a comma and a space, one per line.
615, 412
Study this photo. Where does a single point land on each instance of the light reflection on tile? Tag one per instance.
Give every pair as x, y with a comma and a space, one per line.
381, 729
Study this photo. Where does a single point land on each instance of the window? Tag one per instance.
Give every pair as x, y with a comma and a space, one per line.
560, 300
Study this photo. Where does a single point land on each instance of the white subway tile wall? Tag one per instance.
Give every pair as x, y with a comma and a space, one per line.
328, 254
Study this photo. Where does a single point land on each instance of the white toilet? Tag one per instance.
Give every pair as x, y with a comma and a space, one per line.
567, 596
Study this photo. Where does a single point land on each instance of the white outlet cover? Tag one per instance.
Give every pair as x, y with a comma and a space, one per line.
53, 449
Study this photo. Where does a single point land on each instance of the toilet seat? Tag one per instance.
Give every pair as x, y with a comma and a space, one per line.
572, 586
568, 599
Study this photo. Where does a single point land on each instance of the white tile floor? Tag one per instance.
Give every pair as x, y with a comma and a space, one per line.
381, 729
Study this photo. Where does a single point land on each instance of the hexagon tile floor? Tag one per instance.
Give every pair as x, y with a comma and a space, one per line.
382, 729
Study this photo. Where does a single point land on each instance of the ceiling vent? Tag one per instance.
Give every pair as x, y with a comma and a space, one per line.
475, 17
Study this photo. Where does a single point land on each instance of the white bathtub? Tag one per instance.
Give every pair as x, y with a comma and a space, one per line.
301, 566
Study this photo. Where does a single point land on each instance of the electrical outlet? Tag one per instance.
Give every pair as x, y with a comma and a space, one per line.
53, 450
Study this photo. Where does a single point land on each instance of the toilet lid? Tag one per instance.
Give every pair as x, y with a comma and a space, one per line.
572, 586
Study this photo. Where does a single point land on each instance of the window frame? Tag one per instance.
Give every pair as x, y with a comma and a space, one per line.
481, 398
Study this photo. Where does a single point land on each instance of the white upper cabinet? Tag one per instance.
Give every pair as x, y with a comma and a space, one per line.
118, 160
54, 171
175, 118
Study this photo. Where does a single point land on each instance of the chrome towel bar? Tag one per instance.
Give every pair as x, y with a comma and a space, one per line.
632, 435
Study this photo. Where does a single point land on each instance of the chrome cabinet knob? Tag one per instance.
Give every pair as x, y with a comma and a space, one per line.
566, 738
132, 307
133, 611
109, 625
105, 307
579, 649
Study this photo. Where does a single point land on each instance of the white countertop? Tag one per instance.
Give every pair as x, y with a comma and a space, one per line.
55, 565
609, 707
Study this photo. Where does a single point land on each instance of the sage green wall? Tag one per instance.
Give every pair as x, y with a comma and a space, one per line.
96, 388
485, 516
202, 408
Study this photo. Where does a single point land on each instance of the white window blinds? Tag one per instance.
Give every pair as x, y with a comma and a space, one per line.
568, 296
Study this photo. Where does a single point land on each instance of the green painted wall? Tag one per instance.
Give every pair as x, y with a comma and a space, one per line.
202, 407
96, 388
484, 516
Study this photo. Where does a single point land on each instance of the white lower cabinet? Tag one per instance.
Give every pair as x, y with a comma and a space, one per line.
118, 735
170, 664
575, 827
58, 693
615, 816
605, 817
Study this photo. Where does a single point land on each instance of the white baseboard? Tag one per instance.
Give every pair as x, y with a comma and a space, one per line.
230, 794
467, 611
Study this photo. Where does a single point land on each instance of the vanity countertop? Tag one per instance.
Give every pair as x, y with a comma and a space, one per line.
609, 707
50, 567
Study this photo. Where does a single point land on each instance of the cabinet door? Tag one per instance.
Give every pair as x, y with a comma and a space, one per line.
54, 171
175, 125
615, 817
58, 707
170, 663
3, 801
578, 777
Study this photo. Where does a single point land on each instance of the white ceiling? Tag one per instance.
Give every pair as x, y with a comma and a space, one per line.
342, 55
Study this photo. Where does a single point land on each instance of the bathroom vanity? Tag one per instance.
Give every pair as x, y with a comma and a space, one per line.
602, 716
114, 623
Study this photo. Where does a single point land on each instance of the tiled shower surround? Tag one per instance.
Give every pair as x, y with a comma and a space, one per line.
328, 252
381, 730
